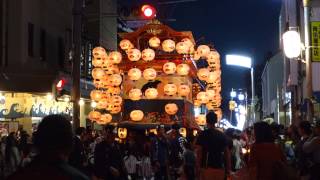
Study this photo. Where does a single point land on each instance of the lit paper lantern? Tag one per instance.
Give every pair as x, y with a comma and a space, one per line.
210, 106
182, 48
96, 95
116, 100
134, 74
203, 50
201, 120
103, 103
122, 133
292, 44
105, 119
171, 108
98, 73
148, 54
151, 93
134, 54
183, 69
149, 74
98, 51
196, 56
115, 79
135, 94
213, 76
136, 115
98, 83
170, 89
114, 90
188, 42
115, 109
169, 68
183, 90
125, 44
168, 45
203, 97
196, 103
183, 132
115, 57
211, 93
110, 68
94, 115
213, 56
203, 74
99, 61
154, 42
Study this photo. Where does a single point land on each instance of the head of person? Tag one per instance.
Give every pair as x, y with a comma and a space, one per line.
81, 132
54, 136
212, 119
263, 133
317, 127
11, 139
304, 128
161, 130
175, 129
109, 135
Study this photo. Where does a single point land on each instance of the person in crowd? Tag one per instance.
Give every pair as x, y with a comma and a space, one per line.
264, 154
145, 164
189, 163
78, 155
12, 154
23, 141
303, 158
53, 141
213, 153
312, 146
160, 153
131, 162
177, 149
108, 161
236, 151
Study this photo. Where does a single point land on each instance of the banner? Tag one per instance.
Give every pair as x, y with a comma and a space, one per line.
315, 41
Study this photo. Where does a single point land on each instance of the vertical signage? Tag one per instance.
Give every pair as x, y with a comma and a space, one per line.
315, 40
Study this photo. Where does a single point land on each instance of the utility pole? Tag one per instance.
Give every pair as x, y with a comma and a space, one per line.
253, 112
77, 30
306, 11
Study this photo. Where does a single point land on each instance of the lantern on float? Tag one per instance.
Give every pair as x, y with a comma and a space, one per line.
149, 74
115, 79
134, 74
210, 106
201, 120
115, 109
202, 97
188, 42
98, 51
182, 48
170, 89
122, 133
96, 95
196, 56
171, 108
134, 54
148, 54
151, 93
115, 57
154, 42
183, 90
183, 69
135, 94
125, 44
98, 83
183, 132
99, 61
203, 74
136, 115
98, 73
110, 68
168, 45
169, 68
94, 115
203, 50
213, 56
211, 93
103, 103
105, 118
114, 90
213, 76
116, 100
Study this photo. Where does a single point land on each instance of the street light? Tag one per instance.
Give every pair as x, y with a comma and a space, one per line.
246, 62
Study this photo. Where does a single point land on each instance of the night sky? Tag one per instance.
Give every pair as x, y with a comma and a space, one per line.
247, 27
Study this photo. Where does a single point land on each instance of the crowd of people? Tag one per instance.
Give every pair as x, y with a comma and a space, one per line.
263, 152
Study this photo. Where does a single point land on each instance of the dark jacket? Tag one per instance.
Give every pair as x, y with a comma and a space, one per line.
77, 156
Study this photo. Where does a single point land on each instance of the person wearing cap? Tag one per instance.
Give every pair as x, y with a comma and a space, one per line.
177, 149
213, 154
313, 147
108, 162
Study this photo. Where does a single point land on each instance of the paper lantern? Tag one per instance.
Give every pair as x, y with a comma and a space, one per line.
98, 83
94, 115
98, 73
110, 68
196, 56
151, 93
210, 106
183, 132
201, 120
213, 76
211, 93
196, 103
203, 50
96, 95
171, 108
203, 97
103, 103
195, 133
182, 48
183, 90
188, 42
169, 68
125, 44
154, 42
100, 60
98, 51
149, 74
135, 94
134, 74
115, 57
115, 79
183, 69
116, 100
170, 89
168, 45
136, 115
115, 109
134, 54
148, 54
122, 133
114, 90
105, 119
203, 74
213, 56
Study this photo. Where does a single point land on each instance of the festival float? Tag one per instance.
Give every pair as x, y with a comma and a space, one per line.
157, 76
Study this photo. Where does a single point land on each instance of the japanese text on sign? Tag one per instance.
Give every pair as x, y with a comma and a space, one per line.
315, 39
